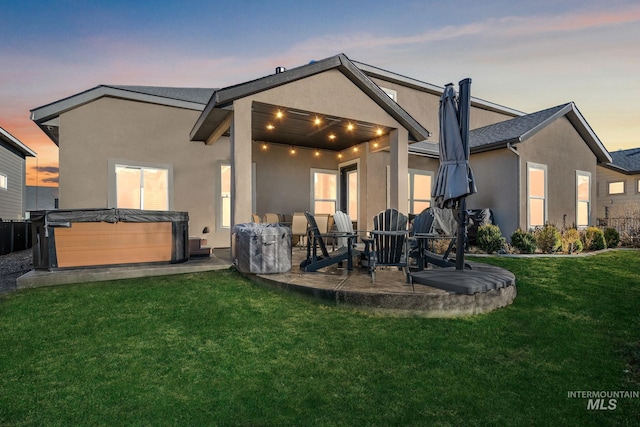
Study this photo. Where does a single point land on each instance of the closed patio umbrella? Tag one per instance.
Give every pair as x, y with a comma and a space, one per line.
454, 180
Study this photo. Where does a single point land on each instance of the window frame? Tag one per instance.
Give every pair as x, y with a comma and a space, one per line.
342, 166
392, 93
313, 199
218, 205
538, 166
4, 181
112, 191
618, 181
580, 173
411, 200
638, 186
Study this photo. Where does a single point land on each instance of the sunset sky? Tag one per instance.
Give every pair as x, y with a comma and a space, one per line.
525, 55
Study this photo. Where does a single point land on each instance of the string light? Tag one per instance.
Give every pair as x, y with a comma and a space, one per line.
270, 126
340, 155
355, 148
350, 126
375, 145
279, 114
379, 131
317, 121
293, 150
264, 145
317, 153
332, 136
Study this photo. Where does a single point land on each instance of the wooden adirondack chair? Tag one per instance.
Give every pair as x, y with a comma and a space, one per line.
388, 243
315, 241
422, 233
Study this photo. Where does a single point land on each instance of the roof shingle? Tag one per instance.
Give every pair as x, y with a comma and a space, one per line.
628, 160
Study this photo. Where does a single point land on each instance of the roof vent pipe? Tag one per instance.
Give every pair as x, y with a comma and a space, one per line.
280, 70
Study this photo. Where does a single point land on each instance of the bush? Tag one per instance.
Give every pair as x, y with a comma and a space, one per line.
523, 241
548, 239
571, 242
593, 239
611, 237
490, 238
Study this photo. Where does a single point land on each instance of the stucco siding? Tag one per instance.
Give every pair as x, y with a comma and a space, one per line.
423, 106
563, 151
617, 205
12, 199
110, 128
496, 175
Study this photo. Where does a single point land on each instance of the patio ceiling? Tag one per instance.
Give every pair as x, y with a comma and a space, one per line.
300, 128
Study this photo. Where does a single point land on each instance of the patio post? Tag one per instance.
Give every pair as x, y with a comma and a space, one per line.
241, 195
399, 170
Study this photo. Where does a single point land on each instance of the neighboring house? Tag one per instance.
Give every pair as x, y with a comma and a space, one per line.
13, 154
332, 134
619, 185
41, 198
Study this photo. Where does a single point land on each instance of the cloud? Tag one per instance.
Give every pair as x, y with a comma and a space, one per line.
504, 27
50, 170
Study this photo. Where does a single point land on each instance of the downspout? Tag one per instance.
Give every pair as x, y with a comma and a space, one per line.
514, 151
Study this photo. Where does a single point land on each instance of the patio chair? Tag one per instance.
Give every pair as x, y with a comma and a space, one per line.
255, 218
271, 218
422, 233
315, 240
388, 242
299, 227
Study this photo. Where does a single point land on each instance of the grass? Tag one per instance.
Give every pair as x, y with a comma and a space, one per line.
215, 349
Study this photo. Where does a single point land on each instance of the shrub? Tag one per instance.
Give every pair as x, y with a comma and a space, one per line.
611, 237
490, 238
523, 241
593, 239
571, 242
548, 239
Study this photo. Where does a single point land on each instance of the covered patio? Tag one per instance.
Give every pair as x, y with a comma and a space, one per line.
323, 116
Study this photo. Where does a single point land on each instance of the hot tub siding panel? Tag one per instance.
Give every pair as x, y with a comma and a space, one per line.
99, 243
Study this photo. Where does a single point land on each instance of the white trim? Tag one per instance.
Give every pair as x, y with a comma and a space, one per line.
624, 187
580, 173
411, 200
344, 165
531, 165
393, 94
4, 182
313, 199
112, 194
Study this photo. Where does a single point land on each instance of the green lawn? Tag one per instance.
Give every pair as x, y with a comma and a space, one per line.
215, 349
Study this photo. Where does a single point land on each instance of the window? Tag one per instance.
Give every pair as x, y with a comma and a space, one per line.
139, 187
536, 194
420, 183
583, 198
3, 181
352, 193
615, 187
324, 191
638, 186
392, 93
225, 196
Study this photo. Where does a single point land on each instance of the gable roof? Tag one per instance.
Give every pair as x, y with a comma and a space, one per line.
519, 129
416, 84
16, 144
625, 161
189, 98
216, 113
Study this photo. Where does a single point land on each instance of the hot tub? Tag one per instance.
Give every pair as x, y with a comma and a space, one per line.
107, 237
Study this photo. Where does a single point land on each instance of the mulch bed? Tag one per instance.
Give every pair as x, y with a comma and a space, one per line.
12, 266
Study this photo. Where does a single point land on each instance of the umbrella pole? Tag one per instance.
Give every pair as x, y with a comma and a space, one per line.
461, 219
